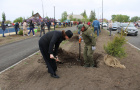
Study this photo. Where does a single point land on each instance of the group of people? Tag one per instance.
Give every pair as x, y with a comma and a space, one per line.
49, 44
25, 25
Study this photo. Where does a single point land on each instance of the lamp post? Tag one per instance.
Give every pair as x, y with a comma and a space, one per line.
54, 17
42, 9
102, 14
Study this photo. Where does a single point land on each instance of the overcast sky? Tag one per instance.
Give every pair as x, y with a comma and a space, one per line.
23, 8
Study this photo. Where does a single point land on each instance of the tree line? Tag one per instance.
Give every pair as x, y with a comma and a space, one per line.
92, 16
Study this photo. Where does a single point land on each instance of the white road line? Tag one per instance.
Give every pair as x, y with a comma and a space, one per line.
18, 62
133, 46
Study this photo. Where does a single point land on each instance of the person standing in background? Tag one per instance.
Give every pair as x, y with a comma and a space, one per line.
42, 28
48, 25
31, 28
110, 27
25, 31
17, 27
3, 27
96, 25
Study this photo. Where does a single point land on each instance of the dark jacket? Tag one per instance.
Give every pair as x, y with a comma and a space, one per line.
49, 24
50, 40
16, 25
3, 26
42, 25
31, 25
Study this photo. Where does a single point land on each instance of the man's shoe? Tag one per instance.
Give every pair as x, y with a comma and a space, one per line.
54, 76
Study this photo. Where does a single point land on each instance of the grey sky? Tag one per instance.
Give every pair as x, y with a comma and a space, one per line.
16, 8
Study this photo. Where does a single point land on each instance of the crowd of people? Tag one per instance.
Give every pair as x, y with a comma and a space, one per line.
31, 26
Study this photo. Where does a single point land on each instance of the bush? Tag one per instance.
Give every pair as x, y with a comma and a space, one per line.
56, 26
38, 29
61, 26
20, 32
115, 48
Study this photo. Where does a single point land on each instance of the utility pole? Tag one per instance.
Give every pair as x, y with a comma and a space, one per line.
42, 9
102, 14
54, 17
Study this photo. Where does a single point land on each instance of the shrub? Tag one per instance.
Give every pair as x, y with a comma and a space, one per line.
20, 32
61, 26
38, 29
115, 48
56, 26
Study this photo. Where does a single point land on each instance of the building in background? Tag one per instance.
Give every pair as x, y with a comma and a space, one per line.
75, 16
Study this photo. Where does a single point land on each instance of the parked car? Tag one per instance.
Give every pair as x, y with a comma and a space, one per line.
104, 24
131, 29
114, 26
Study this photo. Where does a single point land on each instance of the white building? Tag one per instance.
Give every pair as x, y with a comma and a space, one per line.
75, 16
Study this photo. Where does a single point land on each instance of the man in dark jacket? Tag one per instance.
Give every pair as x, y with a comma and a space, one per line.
31, 28
48, 25
46, 44
42, 28
3, 27
16, 27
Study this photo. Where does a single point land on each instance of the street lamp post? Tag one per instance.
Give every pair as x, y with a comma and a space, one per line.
54, 17
42, 9
102, 14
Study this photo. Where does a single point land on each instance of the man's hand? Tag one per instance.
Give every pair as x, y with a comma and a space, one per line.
57, 59
51, 56
93, 47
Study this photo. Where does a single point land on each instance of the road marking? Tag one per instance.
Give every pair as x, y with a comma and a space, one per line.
18, 62
133, 46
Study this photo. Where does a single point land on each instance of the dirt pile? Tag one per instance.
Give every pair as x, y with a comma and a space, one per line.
73, 58
74, 38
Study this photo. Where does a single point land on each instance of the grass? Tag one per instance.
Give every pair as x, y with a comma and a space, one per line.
37, 54
12, 67
25, 63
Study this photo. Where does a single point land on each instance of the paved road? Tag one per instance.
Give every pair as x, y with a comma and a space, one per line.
14, 52
135, 40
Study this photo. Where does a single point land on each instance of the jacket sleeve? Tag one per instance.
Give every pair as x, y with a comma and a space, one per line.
54, 39
92, 38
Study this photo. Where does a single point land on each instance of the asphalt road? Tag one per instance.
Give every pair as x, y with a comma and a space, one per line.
14, 52
135, 40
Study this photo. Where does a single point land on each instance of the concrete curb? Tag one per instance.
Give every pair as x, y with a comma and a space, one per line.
18, 62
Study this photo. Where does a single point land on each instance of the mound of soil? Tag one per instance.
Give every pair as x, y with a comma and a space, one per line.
75, 38
73, 58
